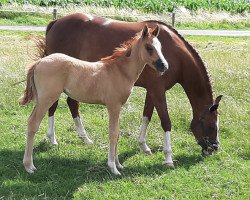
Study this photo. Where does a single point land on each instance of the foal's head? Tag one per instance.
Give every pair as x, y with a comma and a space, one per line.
150, 49
206, 128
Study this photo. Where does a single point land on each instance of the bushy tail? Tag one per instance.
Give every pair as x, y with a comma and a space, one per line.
30, 92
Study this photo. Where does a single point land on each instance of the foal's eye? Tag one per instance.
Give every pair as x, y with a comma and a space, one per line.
149, 49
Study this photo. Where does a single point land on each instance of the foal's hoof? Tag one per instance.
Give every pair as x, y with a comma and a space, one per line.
113, 169
30, 169
168, 164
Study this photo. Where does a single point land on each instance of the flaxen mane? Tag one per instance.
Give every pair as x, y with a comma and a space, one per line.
120, 51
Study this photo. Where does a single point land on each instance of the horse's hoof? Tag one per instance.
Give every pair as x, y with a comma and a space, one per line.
169, 164
52, 140
119, 166
88, 141
148, 152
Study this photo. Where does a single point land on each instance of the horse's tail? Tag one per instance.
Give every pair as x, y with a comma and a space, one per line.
30, 92
40, 42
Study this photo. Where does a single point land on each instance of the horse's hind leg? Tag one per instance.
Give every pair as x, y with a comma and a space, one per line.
147, 114
33, 125
51, 124
74, 109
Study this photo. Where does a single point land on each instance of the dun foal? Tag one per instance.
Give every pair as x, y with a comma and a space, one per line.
108, 82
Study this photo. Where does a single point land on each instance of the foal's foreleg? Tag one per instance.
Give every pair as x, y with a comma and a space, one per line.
113, 161
147, 114
74, 109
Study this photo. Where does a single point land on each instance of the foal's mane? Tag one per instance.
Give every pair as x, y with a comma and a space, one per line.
192, 50
122, 49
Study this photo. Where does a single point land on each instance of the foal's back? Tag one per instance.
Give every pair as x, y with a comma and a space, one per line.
61, 73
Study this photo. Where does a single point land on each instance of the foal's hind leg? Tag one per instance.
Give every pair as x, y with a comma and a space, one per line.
33, 125
51, 124
147, 114
74, 109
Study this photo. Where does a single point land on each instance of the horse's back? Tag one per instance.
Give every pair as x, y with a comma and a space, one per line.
91, 38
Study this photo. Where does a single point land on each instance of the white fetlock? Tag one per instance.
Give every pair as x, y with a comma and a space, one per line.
52, 138
118, 165
145, 148
168, 159
86, 140
168, 150
51, 130
113, 168
81, 131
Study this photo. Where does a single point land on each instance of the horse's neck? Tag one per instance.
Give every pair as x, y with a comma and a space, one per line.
198, 89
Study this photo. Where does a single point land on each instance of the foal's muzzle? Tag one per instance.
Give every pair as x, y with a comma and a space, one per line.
160, 66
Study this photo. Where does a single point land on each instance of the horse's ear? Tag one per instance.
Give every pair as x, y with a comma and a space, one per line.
144, 31
156, 31
215, 106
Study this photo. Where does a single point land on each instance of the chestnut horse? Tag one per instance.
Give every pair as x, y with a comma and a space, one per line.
85, 37
107, 82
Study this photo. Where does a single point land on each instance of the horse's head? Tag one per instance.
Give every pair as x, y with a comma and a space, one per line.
151, 49
206, 128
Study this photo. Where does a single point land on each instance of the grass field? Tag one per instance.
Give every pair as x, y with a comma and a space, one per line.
74, 170
156, 6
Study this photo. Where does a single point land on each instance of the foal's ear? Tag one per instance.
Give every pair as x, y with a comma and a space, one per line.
144, 31
215, 106
156, 31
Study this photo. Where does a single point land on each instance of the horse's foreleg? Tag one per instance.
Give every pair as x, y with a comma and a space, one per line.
160, 104
147, 114
33, 125
113, 161
74, 109
51, 124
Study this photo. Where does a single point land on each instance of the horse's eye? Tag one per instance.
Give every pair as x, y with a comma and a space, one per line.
149, 49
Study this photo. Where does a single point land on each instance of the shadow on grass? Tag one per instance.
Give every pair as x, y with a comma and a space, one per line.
61, 177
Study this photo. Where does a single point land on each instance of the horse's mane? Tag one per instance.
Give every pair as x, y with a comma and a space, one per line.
122, 49
192, 50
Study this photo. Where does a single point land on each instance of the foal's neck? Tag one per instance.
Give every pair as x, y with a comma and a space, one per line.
130, 66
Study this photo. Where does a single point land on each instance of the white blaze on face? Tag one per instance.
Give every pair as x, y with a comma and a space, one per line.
156, 43
217, 124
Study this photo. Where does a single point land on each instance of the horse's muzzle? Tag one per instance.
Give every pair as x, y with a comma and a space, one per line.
160, 66
208, 147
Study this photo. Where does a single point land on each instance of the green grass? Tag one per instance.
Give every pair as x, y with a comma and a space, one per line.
39, 19
156, 6
74, 170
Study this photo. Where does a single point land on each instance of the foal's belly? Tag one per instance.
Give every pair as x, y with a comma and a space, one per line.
85, 97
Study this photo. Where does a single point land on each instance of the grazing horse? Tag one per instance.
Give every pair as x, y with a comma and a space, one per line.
85, 37
107, 82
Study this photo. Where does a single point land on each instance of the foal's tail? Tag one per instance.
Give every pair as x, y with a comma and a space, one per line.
30, 92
